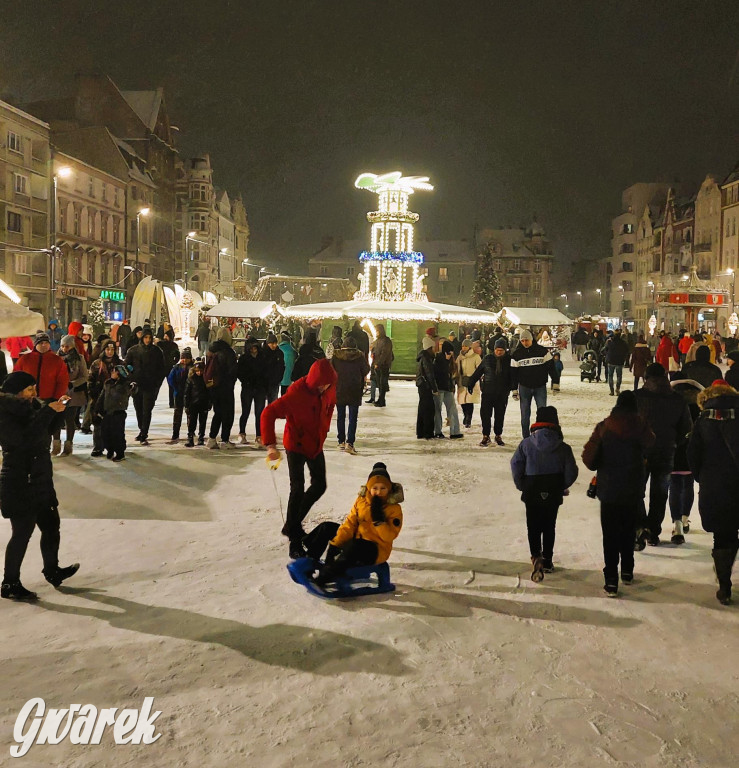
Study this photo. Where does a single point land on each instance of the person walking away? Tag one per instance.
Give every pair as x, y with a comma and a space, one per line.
220, 378
360, 336
197, 404
367, 534
16, 346
382, 361
445, 372
251, 370
27, 495
666, 352
76, 391
239, 337
667, 414
351, 368
55, 335
732, 374
467, 363
497, 383
641, 357
177, 379
557, 368
531, 366
617, 353
50, 374
202, 336
308, 353
616, 451
307, 406
274, 367
289, 356
109, 412
580, 342
148, 371
543, 469
681, 480
100, 372
597, 344
427, 390
684, 343
713, 451
701, 369
123, 337
335, 342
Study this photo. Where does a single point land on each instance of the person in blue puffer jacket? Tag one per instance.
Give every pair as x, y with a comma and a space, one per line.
543, 468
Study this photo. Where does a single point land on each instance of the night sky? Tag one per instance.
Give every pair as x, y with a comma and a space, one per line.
510, 107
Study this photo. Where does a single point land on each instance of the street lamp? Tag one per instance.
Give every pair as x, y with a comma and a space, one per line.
63, 172
579, 293
621, 288
731, 272
600, 305
141, 212
189, 254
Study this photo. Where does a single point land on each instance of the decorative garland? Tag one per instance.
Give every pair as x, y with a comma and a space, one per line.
411, 257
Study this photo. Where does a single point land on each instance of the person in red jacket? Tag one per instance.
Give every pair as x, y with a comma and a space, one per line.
47, 368
17, 345
685, 343
75, 329
308, 406
665, 351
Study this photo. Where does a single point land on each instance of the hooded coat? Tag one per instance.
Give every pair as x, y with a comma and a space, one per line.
666, 350
543, 466
77, 369
55, 335
251, 370
307, 410
308, 354
361, 337
50, 372
382, 349
641, 357
289, 355
351, 370
495, 372
148, 365
425, 375
617, 450
75, 329
702, 369
197, 397
274, 365
713, 455
26, 477
221, 367
531, 366
666, 412
100, 373
445, 370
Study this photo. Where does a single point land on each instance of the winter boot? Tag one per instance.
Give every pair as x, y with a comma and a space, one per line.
227, 444
547, 565
350, 449
138, 438
627, 578
174, 440
14, 590
119, 457
677, 533
190, 442
296, 549
537, 573
723, 562
342, 446
212, 444
686, 523
67, 448
499, 440
611, 589
485, 442
56, 447
57, 575
555, 387
640, 543
201, 440
96, 453
242, 439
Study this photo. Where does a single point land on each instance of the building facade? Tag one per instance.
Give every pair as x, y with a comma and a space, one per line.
25, 192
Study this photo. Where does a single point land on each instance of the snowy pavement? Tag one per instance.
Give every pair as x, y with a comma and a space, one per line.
183, 595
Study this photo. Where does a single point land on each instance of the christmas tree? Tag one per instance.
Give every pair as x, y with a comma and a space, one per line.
96, 317
486, 293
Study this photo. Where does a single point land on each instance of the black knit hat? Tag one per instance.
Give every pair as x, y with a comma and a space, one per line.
17, 381
626, 400
147, 332
654, 371
271, 338
547, 414
379, 470
41, 338
186, 354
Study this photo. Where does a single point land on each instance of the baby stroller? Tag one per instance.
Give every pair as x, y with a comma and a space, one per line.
588, 366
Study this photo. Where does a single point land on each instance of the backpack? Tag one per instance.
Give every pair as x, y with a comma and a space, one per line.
212, 373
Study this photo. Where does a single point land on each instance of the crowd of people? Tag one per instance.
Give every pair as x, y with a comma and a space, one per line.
678, 427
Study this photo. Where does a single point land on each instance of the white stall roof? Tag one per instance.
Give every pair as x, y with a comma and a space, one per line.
242, 309
391, 310
536, 316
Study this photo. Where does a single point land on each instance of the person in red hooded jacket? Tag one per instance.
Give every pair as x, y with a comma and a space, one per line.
75, 329
307, 406
666, 350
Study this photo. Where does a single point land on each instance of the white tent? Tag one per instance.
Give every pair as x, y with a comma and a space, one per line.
259, 309
17, 320
429, 311
534, 316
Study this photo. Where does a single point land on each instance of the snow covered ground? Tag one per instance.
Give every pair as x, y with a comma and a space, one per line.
183, 595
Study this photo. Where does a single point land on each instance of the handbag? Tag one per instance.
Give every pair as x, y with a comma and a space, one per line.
673, 365
465, 381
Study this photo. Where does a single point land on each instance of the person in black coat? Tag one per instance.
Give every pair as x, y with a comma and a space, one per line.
274, 366
617, 355
220, 378
360, 336
308, 353
251, 369
702, 369
426, 385
171, 353
731, 377
616, 451
197, 404
148, 371
27, 494
497, 383
351, 370
667, 414
713, 455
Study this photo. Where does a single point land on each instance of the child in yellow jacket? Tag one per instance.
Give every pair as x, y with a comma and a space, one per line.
366, 536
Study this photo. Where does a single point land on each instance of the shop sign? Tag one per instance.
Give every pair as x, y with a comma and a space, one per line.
113, 295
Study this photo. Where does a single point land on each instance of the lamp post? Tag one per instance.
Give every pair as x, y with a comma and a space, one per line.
564, 296
63, 172
188, 254
600, 304
731, 272
141, 212
621, 288
579, 293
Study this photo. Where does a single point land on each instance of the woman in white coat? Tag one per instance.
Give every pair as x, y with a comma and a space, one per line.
467, 363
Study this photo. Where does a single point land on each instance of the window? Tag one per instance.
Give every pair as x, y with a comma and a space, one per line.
516, 265
536, 284
77, 222
22, 264
627, 229
15, 143
496, 265
460, 289
14, 222
90, 268
199, 192
324, 271
117, 231
461, 273
20, 184
733, 226
118, 198
350, 271
105, 192
90, 224
198, 222
91, 187
537, 265
627, 285
443, 275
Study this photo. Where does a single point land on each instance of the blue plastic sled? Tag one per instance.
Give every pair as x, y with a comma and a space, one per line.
355, 583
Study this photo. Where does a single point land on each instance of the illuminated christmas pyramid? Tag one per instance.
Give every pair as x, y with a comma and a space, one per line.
391, 266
